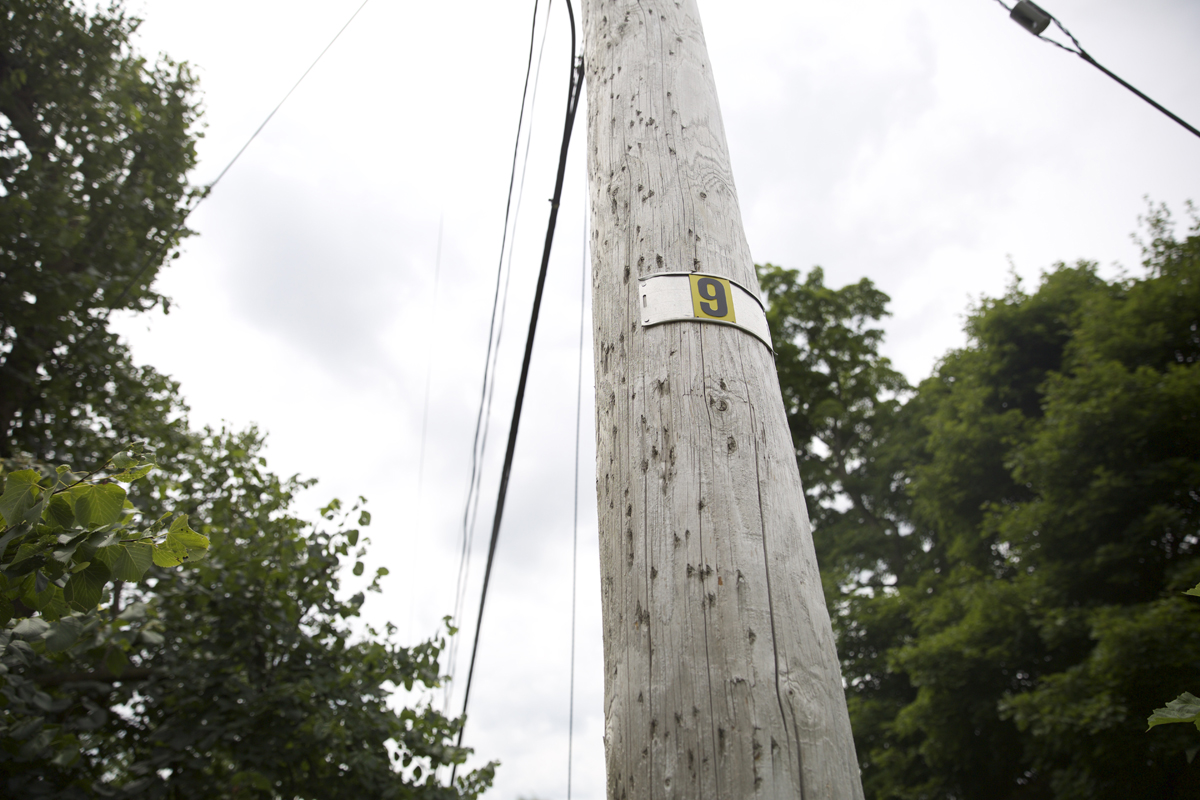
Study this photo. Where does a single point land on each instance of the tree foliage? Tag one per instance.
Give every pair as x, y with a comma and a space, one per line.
64, 538
129, 665
1007, 575
95, 146
240, 675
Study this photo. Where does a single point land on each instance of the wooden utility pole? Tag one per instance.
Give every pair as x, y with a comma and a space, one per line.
721, 677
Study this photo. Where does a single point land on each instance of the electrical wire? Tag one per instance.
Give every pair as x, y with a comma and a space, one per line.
1079, 51
573, 94
203, 194
100, 322
487, 414
575, 523
469, 539
437, 272
488, 379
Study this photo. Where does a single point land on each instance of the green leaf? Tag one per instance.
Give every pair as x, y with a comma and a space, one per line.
116, 661
20, 491
84, 590
13, 533
1185, 708
86, 550
68, 544
129, 476
123, 461
63, 634
43, 595
167, 555
128, 562
182, 544
98, 505
353, 537
358, 568
181, 537
31, 628
25, 551
56, 607
1194, 591
364, 518
61, 510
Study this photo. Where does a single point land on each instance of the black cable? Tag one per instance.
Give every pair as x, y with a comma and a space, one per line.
573, 95
1079, 51
488, 370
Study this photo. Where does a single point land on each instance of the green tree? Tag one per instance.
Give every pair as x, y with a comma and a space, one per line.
121, 674
95, 146
1045, 484
240, 676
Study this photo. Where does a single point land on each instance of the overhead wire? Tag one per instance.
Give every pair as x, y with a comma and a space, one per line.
487, 414
465, 565
204, 193
485, 393
100, 321
575, 523
1079, 51
437, 272
573, 94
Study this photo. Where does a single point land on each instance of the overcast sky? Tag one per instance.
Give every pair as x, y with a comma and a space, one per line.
925, 144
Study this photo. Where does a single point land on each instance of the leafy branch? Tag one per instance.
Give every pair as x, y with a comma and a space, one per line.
1185, 707
65, 538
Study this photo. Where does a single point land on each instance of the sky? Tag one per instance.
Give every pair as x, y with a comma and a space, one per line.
932, 146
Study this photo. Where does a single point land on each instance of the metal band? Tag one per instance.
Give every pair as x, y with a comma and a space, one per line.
698, 297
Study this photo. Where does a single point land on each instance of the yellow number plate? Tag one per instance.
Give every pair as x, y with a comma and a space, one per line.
712, 298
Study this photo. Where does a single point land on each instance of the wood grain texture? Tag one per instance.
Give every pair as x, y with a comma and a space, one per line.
721, 679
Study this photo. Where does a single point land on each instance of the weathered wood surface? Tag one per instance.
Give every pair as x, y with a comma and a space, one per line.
721, 679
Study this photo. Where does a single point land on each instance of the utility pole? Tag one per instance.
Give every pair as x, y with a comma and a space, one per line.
721, 677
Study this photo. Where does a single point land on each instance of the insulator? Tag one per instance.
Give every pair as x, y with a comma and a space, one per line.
1030, 16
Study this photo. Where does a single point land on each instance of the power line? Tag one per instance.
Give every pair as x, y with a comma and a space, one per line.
203, 194
437, 272
488, 379
575, 524
208, 190
468, 549
573, 95
285, 97
487, 414
1036, 19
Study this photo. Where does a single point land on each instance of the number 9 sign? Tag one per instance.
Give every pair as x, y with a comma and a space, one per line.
711, 298
695, 297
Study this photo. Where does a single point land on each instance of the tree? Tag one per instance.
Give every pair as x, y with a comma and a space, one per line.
237, 677
1045, 484
841, 397
95, 146
122, 673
